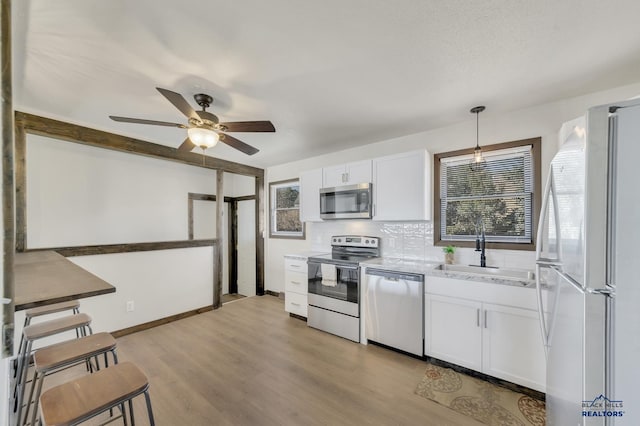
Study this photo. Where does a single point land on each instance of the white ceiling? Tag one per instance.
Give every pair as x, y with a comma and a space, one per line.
329, 74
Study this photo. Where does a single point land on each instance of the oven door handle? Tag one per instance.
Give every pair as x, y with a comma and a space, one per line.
351, 268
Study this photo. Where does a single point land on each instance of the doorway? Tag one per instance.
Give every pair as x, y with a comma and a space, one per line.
239, 255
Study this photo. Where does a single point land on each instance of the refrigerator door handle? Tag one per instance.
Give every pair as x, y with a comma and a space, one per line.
543, 213
543, 324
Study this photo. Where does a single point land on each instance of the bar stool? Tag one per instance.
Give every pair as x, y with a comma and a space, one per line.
29, 314
55, 358
79, 400
31, 333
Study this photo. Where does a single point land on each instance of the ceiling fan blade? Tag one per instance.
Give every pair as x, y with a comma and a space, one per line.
249, 126
143, 121
238, 144
179, 102
187, 145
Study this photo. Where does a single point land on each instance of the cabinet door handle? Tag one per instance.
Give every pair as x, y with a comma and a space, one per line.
295, 266
485, 318
295, 282
478, 317
346, 177
295, 304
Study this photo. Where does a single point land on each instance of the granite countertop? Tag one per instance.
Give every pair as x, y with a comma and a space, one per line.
304, 255
429, 268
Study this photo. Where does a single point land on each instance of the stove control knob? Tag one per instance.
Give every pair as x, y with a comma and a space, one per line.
366, 241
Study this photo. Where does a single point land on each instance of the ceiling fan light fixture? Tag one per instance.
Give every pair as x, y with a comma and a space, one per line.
204, 138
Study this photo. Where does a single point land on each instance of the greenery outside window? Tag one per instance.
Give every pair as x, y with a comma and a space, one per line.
284, 211
503, 196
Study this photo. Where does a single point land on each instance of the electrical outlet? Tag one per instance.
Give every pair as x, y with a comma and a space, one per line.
130, 306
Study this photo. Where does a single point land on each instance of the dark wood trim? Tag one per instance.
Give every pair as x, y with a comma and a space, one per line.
536, 144
87, 136
55, 300
126, 248
279, 236
233, 246
245, 198
8, 201
207, 197
218, 258
162, 321
259, 236
272, 293
21, 188
190, 217
298, 317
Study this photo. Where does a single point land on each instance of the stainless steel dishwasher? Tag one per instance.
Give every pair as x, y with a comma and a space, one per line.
394, 308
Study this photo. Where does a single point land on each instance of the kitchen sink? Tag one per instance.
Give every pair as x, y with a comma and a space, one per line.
519, 274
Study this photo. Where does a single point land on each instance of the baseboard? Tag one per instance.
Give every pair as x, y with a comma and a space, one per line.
277, 294
161, 321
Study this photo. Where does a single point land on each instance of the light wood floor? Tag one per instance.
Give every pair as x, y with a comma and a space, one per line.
249, 363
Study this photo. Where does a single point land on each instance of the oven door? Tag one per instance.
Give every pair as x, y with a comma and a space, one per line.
345, 287
346, 202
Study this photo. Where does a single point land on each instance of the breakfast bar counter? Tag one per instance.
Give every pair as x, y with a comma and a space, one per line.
46, 277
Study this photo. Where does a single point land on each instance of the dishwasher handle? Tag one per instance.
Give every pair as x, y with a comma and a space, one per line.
394, 275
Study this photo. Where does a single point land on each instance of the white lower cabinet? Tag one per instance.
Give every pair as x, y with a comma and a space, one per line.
512, 347
451, 333
495, 339
295, 286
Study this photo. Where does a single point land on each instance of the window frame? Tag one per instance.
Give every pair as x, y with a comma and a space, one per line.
536, 145
272, 232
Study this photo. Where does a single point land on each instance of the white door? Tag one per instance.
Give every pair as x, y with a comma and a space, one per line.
310, 184
246, 248
359, 172
204, 227
334, 176
512, 346
452, 330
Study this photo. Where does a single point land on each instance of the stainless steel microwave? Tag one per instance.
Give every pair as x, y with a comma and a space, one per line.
346, 202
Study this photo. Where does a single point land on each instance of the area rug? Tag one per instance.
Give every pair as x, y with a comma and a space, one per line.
485, 402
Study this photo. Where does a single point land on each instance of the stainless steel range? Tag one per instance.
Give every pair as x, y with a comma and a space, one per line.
334, 285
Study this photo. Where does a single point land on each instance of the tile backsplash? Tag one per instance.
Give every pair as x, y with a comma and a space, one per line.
411, 240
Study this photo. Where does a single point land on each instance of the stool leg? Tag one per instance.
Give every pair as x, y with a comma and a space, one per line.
22, 379
32, 389
131, 416
149, 409
38, 392
124, 414
27, 321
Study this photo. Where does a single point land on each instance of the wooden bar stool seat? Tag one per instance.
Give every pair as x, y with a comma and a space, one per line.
73, 305
33, 332
79, 400
54, 358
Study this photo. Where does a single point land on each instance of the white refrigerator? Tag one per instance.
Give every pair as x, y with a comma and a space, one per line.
588, 256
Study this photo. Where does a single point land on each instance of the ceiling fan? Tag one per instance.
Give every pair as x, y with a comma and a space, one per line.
203, 128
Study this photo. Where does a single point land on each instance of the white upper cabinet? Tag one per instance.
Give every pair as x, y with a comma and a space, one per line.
402, 186
310, 184
347, 174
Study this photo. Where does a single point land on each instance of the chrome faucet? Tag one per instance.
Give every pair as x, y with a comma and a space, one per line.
480, 242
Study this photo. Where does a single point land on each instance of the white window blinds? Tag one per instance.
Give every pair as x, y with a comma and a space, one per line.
500, 195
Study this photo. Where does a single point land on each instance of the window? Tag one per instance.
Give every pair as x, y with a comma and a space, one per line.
284, 212
503, 196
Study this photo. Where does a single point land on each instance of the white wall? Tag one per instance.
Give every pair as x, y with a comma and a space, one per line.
416, 240
81, 195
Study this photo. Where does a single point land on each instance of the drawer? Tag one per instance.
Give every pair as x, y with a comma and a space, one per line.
295, 303
295, 265
296, 282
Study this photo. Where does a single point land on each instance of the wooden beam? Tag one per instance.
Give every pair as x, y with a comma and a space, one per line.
233, 247
126, 248
8, 244
217, 266
259, 236
87, 136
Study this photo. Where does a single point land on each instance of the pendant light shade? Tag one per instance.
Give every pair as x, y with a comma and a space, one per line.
477, 162
204, 138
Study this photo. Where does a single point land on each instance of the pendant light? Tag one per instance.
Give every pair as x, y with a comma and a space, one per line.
477, 162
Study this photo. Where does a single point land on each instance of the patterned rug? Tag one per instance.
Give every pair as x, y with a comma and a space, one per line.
487, 403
